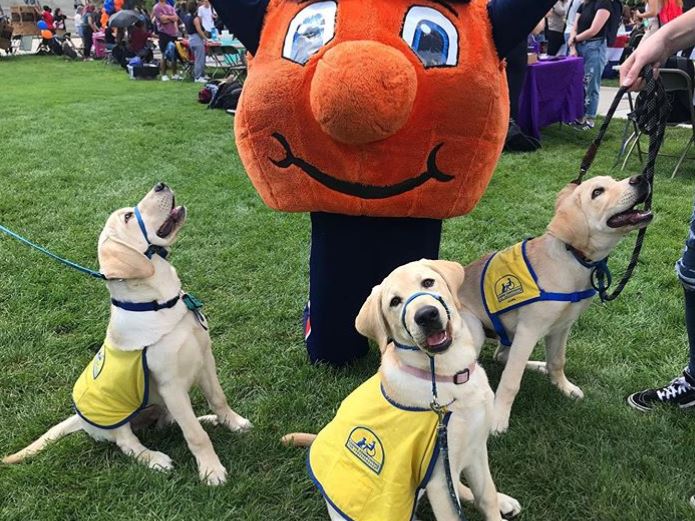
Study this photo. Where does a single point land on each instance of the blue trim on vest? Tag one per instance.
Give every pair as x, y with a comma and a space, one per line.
400, 406
145, 400
433, 462
146, 306
318, 485
573, 297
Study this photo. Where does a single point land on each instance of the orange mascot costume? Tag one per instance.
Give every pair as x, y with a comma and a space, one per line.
381, 118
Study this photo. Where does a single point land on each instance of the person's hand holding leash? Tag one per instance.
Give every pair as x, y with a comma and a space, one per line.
654, 51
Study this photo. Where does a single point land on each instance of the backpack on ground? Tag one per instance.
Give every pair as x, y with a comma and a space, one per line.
227, 95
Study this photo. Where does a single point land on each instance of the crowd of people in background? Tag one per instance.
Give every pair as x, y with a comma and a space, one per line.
586, 28
194, 20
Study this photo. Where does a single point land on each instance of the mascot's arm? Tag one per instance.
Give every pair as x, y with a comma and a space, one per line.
244, 18
513, 20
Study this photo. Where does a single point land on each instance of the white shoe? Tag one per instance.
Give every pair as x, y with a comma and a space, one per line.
201, 80
165, 78
177, 77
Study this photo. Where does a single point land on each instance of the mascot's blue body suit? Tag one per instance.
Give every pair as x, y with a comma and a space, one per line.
381, 118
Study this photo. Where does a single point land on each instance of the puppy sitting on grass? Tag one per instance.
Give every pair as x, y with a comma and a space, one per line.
373, 460
538, 288
157, 346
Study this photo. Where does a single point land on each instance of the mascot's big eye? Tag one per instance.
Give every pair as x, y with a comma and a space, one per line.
310, 30
432, 36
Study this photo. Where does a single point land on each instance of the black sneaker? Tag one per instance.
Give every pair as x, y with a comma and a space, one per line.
680, 392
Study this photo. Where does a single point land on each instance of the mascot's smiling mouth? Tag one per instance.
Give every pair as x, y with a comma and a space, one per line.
358, 189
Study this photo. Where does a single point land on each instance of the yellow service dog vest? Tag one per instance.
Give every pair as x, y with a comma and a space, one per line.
374, 457
509, 282
113, 388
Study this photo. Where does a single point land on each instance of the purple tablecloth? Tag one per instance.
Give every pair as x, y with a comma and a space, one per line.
553, 92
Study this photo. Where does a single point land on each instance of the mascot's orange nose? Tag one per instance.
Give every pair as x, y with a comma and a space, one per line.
363, 91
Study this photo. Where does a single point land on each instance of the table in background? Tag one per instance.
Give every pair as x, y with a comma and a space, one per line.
553, 92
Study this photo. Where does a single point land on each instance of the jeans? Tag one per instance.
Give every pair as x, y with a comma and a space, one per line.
594, 54
685, 269
195, 42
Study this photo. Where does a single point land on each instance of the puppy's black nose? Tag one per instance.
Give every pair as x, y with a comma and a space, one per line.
427, 316
159, 187
637, 180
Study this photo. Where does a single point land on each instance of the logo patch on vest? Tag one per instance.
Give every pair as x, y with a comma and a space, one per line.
98, 365
366, 447
507, 287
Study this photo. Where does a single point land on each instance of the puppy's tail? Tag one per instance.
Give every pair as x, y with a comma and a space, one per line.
56, 432
298, 439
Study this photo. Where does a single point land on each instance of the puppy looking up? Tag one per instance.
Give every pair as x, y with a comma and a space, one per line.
538, 289
373, 460
155, 349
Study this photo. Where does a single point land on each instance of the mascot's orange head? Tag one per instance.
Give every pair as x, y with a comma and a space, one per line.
373, 107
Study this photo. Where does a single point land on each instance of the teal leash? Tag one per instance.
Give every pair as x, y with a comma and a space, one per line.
63, 261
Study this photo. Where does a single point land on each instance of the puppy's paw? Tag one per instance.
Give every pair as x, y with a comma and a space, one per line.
570, 390
539, 367
509, 507
239, 424
213, 475
500, 423
159, 461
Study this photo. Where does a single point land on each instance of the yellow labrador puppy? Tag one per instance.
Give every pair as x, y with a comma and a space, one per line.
373, 460
538, 288
157, 346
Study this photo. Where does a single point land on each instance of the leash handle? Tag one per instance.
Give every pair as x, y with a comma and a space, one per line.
73, 265
650, 114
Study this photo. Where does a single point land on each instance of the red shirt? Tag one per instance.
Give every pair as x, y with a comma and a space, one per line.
48, 18
138, 39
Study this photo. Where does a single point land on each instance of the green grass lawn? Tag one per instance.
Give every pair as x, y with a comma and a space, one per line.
78, 140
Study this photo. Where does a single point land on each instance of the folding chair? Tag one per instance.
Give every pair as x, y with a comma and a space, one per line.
234, 62
185, 58
675, 81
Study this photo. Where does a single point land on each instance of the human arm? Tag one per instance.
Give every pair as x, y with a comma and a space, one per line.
677, 34
600, 19
654, 6
513, 20
560, 9
244, 18
199, 28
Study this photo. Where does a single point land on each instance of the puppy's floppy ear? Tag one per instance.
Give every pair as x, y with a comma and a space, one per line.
564, 194
452, 273
117, 260
370, 321
569, 223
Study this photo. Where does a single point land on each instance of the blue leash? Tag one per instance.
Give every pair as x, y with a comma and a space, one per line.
66, 262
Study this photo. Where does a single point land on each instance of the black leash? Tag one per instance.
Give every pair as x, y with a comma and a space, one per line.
651, 111
442, 412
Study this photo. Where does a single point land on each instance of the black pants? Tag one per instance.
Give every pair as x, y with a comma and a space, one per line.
87, 41
517, 63
556, 40
349, 256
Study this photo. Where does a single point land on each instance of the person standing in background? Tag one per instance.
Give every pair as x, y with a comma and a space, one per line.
89, 27
588, 40
207, 17
196, 41
79, 10
571, 17
167, 30
556, 26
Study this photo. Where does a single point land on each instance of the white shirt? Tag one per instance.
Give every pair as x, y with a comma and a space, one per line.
205, 15
572, 14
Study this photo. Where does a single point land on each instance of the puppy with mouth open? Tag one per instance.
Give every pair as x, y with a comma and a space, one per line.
378, 454
157, 346
538, 288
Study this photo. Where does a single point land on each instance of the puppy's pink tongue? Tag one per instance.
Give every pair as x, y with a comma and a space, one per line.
436, 339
